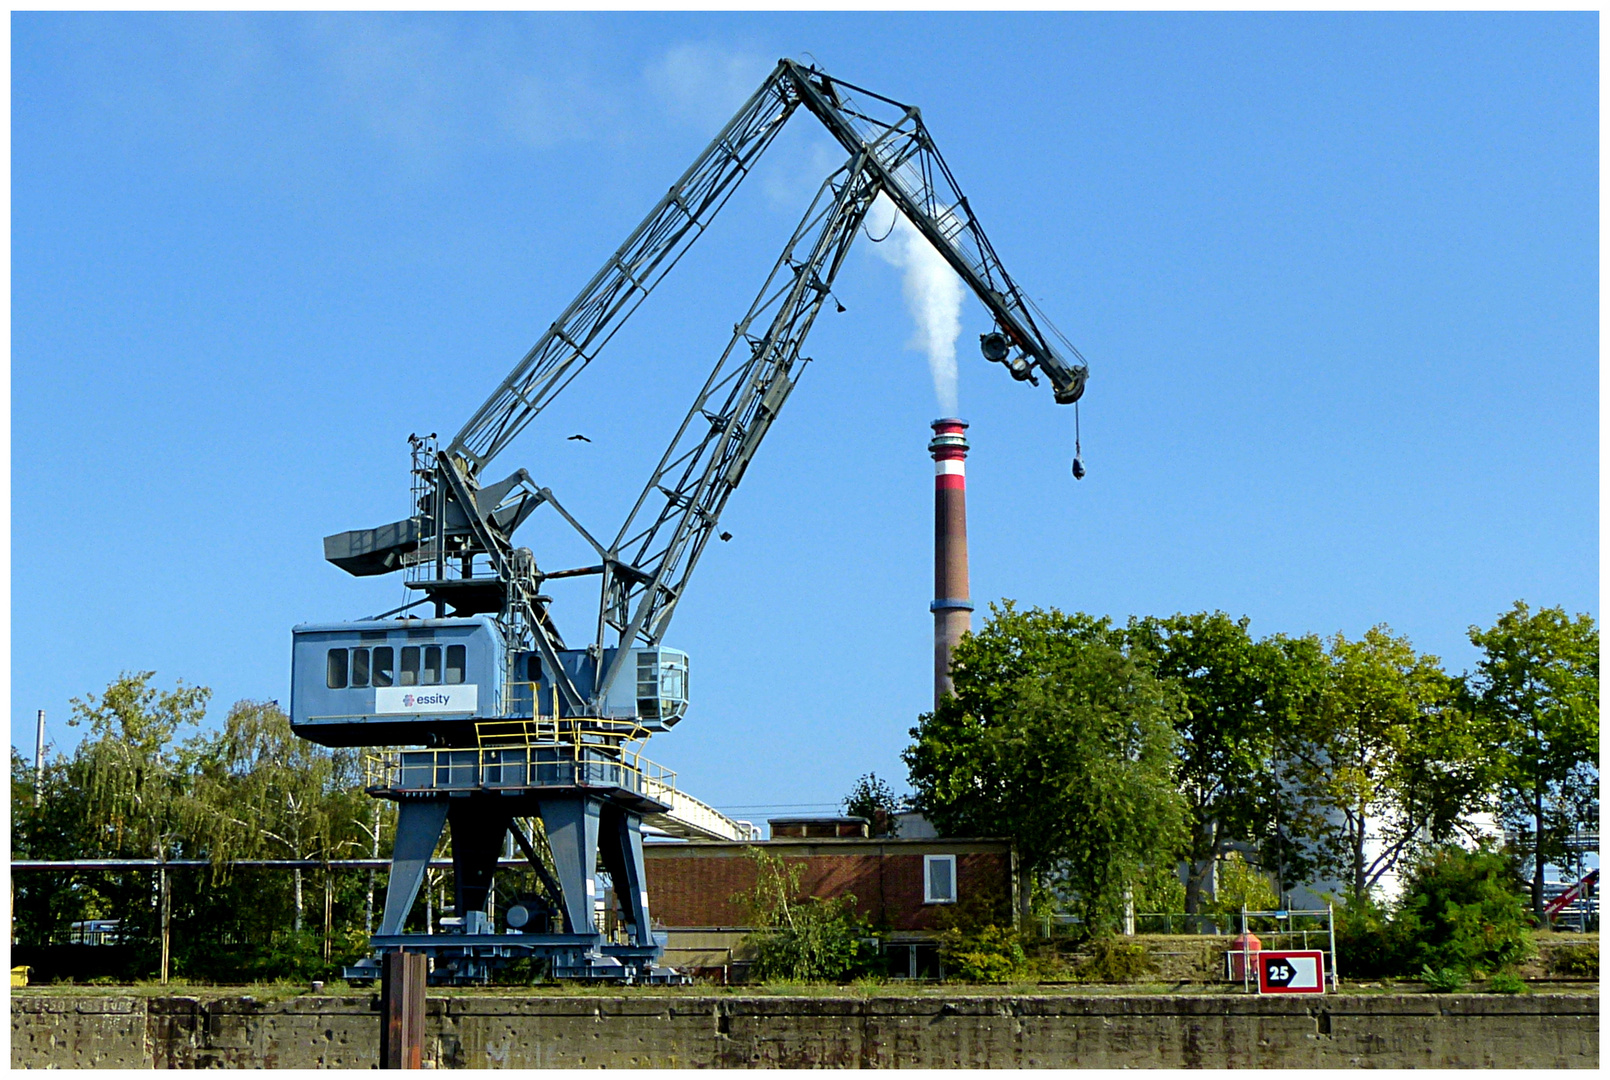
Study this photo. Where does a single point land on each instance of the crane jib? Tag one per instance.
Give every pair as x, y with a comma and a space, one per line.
458, 548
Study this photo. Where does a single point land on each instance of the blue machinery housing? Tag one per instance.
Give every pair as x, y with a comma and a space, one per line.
426, 682
492, 754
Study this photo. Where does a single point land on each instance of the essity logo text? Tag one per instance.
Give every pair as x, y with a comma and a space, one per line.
395, 699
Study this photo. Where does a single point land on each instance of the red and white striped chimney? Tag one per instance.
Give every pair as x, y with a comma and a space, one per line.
953, 611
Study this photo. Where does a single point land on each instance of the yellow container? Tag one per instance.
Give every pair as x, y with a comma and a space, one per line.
19, 975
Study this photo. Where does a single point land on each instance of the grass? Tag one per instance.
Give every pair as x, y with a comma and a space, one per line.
863, 989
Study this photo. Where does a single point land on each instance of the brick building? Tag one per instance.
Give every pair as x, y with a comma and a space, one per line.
901, 887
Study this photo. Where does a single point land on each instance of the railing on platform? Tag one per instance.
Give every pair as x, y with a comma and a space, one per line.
538, 751
526, 752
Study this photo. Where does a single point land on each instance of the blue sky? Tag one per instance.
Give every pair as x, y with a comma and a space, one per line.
1335, 275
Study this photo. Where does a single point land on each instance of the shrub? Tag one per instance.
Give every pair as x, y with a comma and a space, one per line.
1366, 947
989, 954
819, 940
1447, 980
1582, 959
1463, 909
1506, 983
798, 939
1113, 960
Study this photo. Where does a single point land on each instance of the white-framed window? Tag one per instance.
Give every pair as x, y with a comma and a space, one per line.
939, 879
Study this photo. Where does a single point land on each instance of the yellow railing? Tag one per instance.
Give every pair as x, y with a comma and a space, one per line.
528, 752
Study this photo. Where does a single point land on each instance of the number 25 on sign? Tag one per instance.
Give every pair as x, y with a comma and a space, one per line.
1291, 972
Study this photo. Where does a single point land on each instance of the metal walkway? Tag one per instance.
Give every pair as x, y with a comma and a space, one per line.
690, 819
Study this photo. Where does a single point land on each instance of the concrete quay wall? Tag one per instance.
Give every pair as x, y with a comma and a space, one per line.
647, 1030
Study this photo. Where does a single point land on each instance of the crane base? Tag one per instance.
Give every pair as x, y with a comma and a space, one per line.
472, 959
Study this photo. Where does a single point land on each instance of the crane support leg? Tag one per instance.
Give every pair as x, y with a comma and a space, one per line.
621, 851
479, 826
572, 828
419, 826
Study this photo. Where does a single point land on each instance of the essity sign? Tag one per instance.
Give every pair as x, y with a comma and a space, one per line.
425, 699
1296, 972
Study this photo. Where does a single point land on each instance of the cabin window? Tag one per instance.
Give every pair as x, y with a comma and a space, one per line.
939, 879
433, 665
380, 666
335, 669
360, 667
455, 663
410, 666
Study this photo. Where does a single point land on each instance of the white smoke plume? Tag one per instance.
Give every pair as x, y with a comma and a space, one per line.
933, 295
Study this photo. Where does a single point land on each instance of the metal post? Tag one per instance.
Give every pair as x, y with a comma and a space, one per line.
369, 902
1246, 972
329, 911
402, 1010
1330, 920
39, 759
440, 488
167, 909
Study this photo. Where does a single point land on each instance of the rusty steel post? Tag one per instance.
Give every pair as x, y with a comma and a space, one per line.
402, 1010
953, 610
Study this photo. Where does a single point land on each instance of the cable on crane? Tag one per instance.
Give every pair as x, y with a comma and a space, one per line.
893, 221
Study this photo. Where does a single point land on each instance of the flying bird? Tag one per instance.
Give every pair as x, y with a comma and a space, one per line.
583, 438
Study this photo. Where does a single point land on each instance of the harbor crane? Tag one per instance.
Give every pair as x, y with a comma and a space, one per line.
511, 722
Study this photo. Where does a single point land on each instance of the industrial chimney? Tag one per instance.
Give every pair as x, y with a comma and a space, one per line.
953, 611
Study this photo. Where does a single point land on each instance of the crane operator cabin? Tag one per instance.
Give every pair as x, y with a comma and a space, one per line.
509, 723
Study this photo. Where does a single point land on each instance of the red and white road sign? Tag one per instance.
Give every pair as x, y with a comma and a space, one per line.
1290, 972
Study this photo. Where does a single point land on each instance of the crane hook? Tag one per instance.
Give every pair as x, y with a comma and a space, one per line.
1078, 465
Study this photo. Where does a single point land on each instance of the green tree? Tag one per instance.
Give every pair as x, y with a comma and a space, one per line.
1537, 684
134, 772
874, 800
1241, 886
277, 795
1059, 738
1236, 692
1384, 753
126, 791
142, 784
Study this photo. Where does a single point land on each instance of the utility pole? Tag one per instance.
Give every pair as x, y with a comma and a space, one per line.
39, 760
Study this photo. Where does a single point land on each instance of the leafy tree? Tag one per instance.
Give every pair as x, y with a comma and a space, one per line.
125, 792
1158, 890
277, 795
1241, 886
134, 774
1384, 752
136, 787
874, 800
1538, 686
1060, 739
1234, 690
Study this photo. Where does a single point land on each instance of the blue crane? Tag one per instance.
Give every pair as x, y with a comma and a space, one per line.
515, 724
